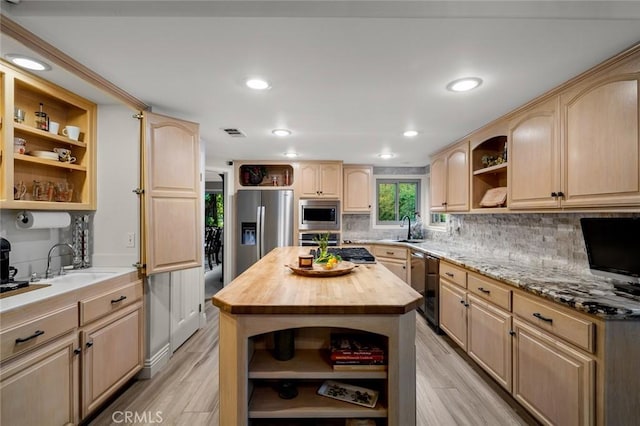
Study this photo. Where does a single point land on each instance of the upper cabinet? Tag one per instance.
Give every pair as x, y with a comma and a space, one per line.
320, 180
450, 179
264, 174
534, 157
48, 145
600, 143
357, 189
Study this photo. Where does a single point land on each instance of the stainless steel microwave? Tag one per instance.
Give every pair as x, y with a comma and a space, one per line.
321, 215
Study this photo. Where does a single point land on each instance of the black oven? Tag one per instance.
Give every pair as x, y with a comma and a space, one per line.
319, 215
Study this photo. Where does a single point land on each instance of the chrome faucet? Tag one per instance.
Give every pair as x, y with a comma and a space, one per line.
48, 273
409, 227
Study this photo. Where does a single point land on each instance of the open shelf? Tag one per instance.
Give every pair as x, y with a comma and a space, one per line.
265, 403
282, 173
41, 134
306, 364
486, 174
49, 163
498, 168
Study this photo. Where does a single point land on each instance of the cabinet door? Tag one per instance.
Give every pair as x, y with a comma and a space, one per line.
113, 353
552, 380
453, 313
398, 267
534, 158
601, 143
357, 189
489, 339
308, 179
172, 214
331, 180
438, 186
41, 387
458, 178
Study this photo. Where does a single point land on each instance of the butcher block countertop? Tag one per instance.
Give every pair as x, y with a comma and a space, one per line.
269, 287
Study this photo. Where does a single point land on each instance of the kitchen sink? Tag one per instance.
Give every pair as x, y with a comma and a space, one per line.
80, 277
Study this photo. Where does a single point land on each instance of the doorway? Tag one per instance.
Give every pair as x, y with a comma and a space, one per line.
214, 222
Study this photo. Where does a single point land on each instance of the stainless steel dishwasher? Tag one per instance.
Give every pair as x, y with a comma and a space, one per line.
425, 270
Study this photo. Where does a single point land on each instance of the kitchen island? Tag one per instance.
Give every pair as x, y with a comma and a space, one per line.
268, 297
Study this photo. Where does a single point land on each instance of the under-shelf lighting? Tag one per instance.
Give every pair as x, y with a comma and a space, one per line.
27, 62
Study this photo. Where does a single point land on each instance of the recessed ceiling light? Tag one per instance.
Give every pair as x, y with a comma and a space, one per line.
411, 133
291, 154
281, 132
385, 155
464, 84
257, 84
27, 62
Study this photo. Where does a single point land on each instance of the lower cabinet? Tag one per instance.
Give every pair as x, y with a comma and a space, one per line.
453, 312
553, 381
394, 259
41, 387
112, 354
489, 339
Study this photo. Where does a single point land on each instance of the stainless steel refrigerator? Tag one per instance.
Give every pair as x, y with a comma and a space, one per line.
264, 221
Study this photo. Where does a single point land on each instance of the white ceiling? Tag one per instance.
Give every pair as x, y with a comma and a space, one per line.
348, 77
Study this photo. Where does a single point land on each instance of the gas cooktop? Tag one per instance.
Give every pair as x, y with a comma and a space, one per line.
353, 254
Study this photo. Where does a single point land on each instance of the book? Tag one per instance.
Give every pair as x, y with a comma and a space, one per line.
355, 344
360, 422
349, 393
359, 367
356, 357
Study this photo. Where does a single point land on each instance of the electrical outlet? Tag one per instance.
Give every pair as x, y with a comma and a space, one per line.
131, 239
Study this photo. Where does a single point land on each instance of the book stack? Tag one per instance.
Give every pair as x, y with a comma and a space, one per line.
357, 352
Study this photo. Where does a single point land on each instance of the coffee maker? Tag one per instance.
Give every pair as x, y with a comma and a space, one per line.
5, 248
6, 271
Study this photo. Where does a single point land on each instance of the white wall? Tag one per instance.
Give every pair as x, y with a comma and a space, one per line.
118, 210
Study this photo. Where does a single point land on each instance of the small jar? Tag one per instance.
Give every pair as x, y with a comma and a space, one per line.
274, 180
19, 145
305, 261
42, 121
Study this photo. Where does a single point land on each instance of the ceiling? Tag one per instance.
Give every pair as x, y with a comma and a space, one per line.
347, 77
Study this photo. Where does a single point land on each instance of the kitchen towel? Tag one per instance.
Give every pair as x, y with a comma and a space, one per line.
41, 220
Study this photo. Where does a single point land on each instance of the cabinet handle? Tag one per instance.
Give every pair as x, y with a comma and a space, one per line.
89, 344
404, 267
560, 194
539, 316
77, 351
390, 253
449, 274
120, 299
483, 290
462, 301
466, 305
33, 336
444, 204
512, 333
554, 194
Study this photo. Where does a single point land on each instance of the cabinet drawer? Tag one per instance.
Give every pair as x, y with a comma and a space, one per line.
388, 251
490, 290
40, 330
572, 329
454, 274
104, 304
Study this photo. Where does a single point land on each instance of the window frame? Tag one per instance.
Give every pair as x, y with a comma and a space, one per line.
420, 202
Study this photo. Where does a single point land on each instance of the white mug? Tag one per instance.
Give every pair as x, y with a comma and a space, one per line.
72, 132
53, 127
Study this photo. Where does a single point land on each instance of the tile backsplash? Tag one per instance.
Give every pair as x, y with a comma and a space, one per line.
535, 238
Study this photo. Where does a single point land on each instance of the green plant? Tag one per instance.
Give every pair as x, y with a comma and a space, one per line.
323, 242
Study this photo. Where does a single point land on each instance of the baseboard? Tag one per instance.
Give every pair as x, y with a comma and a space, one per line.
156, 363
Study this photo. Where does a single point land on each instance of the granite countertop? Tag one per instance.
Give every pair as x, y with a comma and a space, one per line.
580, 290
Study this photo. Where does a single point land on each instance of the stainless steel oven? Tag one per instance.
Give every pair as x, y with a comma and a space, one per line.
307, 239
319, 215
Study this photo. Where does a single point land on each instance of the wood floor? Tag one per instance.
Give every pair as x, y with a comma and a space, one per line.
449, 390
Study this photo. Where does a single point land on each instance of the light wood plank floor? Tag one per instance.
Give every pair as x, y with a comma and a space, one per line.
450, 391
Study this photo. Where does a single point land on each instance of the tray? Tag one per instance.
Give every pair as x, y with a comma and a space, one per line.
342, 268
494, 197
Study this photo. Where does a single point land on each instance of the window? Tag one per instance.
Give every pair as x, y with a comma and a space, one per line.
438, 219
396, 198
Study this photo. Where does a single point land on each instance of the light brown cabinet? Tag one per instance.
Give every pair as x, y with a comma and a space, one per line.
453, 312
553, 381
112, 354
394, 259
320, 180
36, 178
42, 385
449, 173
357, 189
